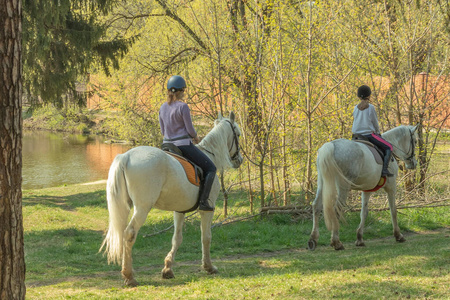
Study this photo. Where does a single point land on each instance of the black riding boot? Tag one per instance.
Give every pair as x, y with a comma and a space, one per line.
387, 158
203, 194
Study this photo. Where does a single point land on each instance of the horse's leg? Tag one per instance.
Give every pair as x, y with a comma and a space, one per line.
391, 197
316, 209
365, 196
342, 198
130, 235
178, 221
206, 221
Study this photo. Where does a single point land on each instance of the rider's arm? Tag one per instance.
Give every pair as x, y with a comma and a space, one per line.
374, 120
186, 113
161, 124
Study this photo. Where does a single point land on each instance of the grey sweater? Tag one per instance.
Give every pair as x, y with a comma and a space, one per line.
365, 121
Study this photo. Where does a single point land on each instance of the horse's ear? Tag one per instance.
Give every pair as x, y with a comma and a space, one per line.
415, 128
220, 116
232, 116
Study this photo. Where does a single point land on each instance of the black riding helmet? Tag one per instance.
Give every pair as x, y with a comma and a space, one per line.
364, 92
176, 83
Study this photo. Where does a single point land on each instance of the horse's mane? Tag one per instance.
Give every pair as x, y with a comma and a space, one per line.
216, 142
393, 135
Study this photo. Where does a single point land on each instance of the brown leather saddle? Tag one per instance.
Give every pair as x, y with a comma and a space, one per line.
193, 172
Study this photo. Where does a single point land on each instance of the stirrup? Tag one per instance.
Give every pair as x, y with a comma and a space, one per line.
386, 173
205, 207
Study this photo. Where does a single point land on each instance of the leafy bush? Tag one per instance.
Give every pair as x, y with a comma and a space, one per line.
49, 117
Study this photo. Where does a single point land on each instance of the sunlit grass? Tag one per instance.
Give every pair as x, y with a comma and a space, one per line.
263, 258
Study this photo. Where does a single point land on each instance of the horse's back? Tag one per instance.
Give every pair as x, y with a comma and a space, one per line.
354, 160
144, 156
344, 152
157, 179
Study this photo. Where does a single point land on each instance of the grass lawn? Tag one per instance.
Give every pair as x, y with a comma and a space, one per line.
259, 258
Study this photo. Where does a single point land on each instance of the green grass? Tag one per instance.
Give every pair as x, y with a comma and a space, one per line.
260, 258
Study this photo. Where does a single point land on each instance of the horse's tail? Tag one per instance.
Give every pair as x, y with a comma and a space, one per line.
119, 208
332, 177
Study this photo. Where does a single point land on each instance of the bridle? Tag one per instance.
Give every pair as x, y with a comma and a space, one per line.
411, 148
235, 141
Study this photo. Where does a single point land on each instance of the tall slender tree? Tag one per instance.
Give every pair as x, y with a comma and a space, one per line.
12, 261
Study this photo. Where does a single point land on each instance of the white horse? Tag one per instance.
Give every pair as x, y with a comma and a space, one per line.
146, 177
343, 165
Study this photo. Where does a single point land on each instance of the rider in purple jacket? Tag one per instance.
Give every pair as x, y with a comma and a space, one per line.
177, 128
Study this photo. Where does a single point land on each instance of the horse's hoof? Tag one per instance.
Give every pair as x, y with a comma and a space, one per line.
338, 246
131, 282
212, 270
312, 244
360, 244
167, 274
401, 240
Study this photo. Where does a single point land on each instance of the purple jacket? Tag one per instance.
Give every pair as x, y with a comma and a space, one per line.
176, 124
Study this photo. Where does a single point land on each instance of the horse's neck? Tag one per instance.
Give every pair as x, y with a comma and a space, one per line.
392, 136
388, 137
215, 148
207, 152
396, 135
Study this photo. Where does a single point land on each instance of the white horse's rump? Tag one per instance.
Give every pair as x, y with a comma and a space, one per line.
343, 165
146, 177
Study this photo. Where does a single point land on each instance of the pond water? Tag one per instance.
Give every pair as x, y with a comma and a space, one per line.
55, 159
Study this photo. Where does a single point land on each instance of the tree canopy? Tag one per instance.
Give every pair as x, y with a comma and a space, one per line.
289, 69
62, 39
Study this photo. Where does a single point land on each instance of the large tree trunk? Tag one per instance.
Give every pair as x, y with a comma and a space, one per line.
12, 262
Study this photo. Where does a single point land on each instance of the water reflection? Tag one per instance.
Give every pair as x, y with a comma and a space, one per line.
54, 159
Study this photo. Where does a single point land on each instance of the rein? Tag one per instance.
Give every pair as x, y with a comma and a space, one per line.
206, 150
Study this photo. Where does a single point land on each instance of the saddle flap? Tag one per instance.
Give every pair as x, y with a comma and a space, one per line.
375, 152
193, 172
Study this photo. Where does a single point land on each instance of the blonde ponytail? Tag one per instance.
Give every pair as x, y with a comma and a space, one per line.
174, 96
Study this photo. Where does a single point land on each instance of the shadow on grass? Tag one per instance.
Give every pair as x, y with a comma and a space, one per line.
71, 255
69, 202
355, 272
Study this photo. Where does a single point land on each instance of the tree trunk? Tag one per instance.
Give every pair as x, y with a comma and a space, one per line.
12, 262
284, 155
308, 112
225, 194
272, 176
261, 183
250, 186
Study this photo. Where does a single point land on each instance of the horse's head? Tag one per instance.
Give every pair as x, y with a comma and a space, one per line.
410, 161
405, 145
233, 140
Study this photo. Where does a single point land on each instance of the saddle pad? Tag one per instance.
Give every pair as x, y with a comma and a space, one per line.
380, 184
372, 149
189, 169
